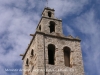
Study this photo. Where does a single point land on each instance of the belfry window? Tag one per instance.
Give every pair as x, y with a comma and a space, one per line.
52, 26
32, 52
67, 56
51, 54
27, 61
49, 14
40, 27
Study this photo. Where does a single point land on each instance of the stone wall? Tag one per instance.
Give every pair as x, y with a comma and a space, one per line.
27, 69
39, 44
75, 57
45, 23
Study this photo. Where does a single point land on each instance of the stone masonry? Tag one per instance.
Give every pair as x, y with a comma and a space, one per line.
36, 57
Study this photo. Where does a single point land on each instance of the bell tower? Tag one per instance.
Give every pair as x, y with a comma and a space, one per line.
50, 52
48, 23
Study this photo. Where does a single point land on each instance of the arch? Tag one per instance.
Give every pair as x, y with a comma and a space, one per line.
52, 26
27, 61
51, 54
40, 27
32, 52
49, 13
67, 56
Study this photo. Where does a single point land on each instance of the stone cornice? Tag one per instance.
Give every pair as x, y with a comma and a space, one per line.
47, 9
57, 35
48, 18
51, 35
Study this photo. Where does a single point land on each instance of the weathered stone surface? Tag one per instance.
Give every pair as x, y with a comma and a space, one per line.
38, 64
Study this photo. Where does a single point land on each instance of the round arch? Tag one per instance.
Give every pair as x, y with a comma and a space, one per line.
67, 51
52, 26
51, 54
49, 14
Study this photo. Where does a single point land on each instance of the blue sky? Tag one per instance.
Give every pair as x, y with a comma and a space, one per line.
19, 18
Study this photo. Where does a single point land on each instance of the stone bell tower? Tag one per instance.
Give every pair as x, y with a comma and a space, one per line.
50, 52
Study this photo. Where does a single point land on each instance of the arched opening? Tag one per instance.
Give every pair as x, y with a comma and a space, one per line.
40, 27
27, 61
51, 54
49, 14
32, 52
67, 56
52, 26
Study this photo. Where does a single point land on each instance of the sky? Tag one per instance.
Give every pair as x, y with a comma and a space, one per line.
19, 19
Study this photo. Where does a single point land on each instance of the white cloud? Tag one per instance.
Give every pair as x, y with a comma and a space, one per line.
67, 7
19, 18
15, 26
69, 29
88, 25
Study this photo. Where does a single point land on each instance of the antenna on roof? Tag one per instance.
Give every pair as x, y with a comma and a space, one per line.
47, 2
